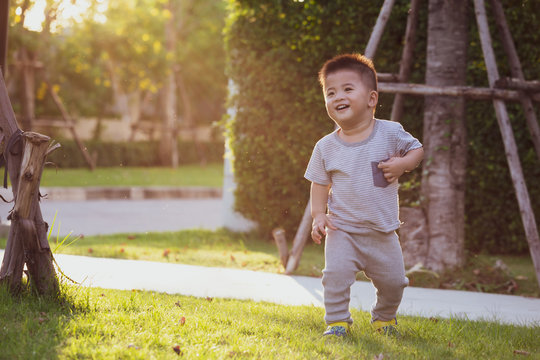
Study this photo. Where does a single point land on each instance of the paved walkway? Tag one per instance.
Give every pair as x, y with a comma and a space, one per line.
90, 211
102, 217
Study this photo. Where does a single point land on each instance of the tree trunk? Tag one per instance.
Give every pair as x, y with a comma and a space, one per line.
128, 104
27, 89
443, 179
187, 118
168, 149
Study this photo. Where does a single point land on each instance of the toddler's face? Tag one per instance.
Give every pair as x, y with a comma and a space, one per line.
348, 100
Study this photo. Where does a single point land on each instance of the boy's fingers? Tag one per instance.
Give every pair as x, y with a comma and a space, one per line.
316, 236
320, 229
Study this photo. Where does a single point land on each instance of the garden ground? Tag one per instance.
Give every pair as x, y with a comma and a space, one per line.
211, 282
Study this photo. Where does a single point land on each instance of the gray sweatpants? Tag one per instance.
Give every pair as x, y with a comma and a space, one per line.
379, 255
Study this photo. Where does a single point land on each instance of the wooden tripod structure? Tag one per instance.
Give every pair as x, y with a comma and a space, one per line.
24, 154
515, 88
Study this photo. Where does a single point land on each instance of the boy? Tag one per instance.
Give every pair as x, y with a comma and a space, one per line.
353, 172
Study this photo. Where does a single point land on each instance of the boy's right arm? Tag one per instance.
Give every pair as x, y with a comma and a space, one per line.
319, 199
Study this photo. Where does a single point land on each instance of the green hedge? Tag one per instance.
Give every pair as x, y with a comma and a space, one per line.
140, 153
275, 49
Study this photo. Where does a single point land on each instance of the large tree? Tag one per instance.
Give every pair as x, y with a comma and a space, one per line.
443, 180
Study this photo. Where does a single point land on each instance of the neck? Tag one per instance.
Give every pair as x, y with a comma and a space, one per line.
359, 131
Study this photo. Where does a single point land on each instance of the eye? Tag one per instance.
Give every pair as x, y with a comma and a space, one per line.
329, 94
349, 89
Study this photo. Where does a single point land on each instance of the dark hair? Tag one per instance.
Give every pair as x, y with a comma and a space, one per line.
355, 62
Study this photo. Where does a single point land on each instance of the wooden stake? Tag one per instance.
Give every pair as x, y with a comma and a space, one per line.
299, 241
281, 243
517, 72
406, 62
378, 29
512, 156
38, 255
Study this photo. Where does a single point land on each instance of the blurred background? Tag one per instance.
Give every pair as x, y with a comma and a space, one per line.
147, 76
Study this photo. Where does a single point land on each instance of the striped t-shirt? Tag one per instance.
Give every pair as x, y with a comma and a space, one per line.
360, 196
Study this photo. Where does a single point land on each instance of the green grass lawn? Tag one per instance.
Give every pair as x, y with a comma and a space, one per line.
110, 324
219, 248
188, 175
223, 248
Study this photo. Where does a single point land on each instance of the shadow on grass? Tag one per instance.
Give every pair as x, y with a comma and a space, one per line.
33, 326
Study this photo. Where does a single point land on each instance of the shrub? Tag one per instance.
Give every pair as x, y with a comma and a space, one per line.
141, 153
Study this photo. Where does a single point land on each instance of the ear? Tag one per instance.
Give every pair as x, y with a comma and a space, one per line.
373, 98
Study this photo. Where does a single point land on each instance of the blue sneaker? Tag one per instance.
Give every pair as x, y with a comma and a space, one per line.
337, 329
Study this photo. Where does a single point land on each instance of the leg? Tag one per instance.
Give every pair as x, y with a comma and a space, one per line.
385, 268
338, 276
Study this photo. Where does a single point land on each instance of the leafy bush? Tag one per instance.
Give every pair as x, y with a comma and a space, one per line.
275, 50
141, 153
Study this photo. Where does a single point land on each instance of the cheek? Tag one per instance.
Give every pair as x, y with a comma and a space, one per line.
327, 106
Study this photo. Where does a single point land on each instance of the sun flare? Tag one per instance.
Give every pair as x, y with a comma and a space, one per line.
67, 11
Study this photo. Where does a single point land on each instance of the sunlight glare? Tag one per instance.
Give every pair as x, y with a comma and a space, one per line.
35, 16
67, 11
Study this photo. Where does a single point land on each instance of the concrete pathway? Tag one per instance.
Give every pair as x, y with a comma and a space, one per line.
93, 217
290, 290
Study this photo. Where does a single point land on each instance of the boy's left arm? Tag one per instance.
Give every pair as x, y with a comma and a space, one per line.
394, 167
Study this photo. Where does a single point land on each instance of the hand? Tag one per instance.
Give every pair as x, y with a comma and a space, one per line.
318, 228
392, 168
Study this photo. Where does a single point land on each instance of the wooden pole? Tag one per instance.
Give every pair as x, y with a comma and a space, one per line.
517, 72
406, 62
71, 126
28, 89
281, 243
387, 77
518, 84
465, 91
299, 241
37, 252
378, 29
4, 25
8, 124
512, 156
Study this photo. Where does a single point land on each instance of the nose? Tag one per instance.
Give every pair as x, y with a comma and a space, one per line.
339, 96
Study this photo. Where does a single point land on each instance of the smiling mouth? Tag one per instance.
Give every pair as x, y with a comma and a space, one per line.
342, 107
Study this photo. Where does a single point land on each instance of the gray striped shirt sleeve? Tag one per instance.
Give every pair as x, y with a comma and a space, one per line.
316, 171
405, 141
